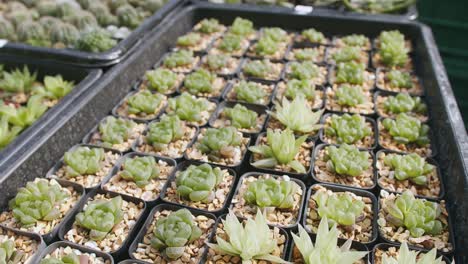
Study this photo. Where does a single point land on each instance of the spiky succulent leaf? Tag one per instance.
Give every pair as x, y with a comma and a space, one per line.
241, 116
350, 72
339, 208
348, 128
409, 167
55, 87
187, 107
83, 161
249, 92
198, 183
9, 254
140, 170
306, 70
7, 132
297, 115
271, 193
407, 129
347, 160
165, 131
115, 130
404, 103
179, 58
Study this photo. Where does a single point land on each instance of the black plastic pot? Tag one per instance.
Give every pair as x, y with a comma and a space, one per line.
184, 165
61, 163
41, 245
429, 160
259, 109
301, 203
322, 146
260, 79
386, 246
52, 235
231, 86
149, 220
386, 94
87, 59
119, 253
137, 119
117, 168
368, 120
51, 248
132, 261
357, 192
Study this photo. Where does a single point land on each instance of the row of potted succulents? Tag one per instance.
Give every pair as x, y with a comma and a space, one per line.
92, 26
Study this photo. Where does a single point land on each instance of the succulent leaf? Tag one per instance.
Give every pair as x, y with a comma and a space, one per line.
257, 68
200, 81
231, 42
18, 81
347, 160
165, 131
306, 54
296, 88
217, 61
189, 40
348, 128
355, 40
409, 167
392, 50
24, 116
187, 107
271, 193
220, 142
7, 132
313, 35
347, 54
55, 87
140, 170
242, 27
275, 34
406, 129
249, 92
241, 116
83, 161
297, 115
115, 130
198, 183
399, 79
209, 26
266, 46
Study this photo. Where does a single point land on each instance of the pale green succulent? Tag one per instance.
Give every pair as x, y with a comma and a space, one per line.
241, 116
168, 129
231, 42
40, 200
347, 95
347, 160
161, 80
140, 170
348, 128
271, 193
418, 216
83, 161
200, 81
407, 256
189, 40
172, 233
7, 133
144, 102
18, 81
24, 116
325, 249
250, 241
355, 40
296, 88
115, 130
257, 68
281, 148
99, 217
339, 207
392, 49
55, 87
249, 92
266, 46
409, 167
9, 254
404, 103
198, 183
313, 35
187, 107
220, 142
242, 27
71, 258
297, 115
399, 79
406, 129
275, 33
347, 54
217, 61
350, 72
179, 58
209, 26
306, 54
306, 70
128, 16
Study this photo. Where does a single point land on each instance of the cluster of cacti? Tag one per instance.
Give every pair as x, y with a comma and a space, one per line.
93, 26
220, 142
83, 161
297, 115
198, 183
241, 116
339, 208
347, 160
348, 128
271, 193
168, 129
409, 167
140, 170
407, 129
392, 49
115, 130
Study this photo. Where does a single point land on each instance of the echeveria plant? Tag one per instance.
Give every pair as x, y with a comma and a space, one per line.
296, 88
220, 142
281, 148
161, 80
313, 35
257, 68
407, 256
404, 103
115, 130
350, 72
144, 102
249, 92
392, 49
241, 116
399, 79
189, 40
83, 161
99, 217
187, 107
165, 131
325, 249
347, 54
407, 129
242, 27
418, 216
18, 81
347, 160
338, 208
306, 70
409, 167
140, 170
198, 183
252, 241
230, 43
297, 115
271, 193
173, 232
348, 128
347, 95
179, 58
209, 26
38, 201
200, 81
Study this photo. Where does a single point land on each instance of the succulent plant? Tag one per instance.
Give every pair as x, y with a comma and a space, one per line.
404, 103
48, 22
65, 9
271, 193
410, 167
347, 54
9, 254
306, 54
128, 16
189, 40
350, 72
297, 115
7, 132
241, 116
266, 46
165, 131
200, 81
173, 232
406, 256
392, 50
7, 29
249, 92
257, 68
32, 33
406, 129
242, 27
144, 102
153, 5
220, 142
39, 201
296, 88
188, 108
24, 116
306, 70
64, 33
347, 95
83, 20
179, 58
347, 160
275, 33
231, 42
281, 148
339, 208
70, 258
418, 216
198, 183
399, 79
140, 170
115, 130
217, 61
209, 26
348, 128
100, 216
355, 40
313, 35
102, 13
18, 81
95, 40
325, 249
19, 16
114, 4
250, 241
55, 87
161, 80
83, 161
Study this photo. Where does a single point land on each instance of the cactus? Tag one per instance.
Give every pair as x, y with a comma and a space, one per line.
198, 183
404, 103
173, 232
188, 108
338, 208
179, 58
83, 161
242, 27
189, 40
406, 256
38, 201
406, 129
200, 81
7, 30
350, 72
96, 40
348, 128
249, 92
231, 42
115, 130
32, 33
410, 167
347, 54
161, 80
271, 193
64, 33
165, 131
83, 20
257, 68
100, 216
70, 258
241, 116
144, 102
313, 35
65, 9
128, 16
347, 160
297, 115
399, 79
418, 216
306, 70
48, 23
296, 88
47, 8
281, 148
220, 142
140, 170
347, 95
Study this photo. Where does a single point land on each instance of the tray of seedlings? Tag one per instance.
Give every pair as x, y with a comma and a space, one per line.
82, 32
239, 139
